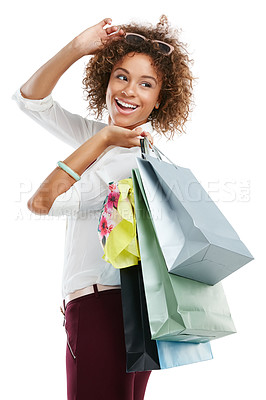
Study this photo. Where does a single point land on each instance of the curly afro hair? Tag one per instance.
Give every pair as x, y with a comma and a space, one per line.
176, 91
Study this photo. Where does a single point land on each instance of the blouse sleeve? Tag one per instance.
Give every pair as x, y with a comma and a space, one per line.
67, 203
87, 194
73, 129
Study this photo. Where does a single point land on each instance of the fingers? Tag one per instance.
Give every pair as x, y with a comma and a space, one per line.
144, 133
120, 32
138, 129
113, 29
106, 21
148, 135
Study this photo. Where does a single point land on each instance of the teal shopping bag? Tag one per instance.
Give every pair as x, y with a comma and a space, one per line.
179, 309
199, 242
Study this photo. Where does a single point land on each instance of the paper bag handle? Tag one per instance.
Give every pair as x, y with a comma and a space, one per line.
145, 144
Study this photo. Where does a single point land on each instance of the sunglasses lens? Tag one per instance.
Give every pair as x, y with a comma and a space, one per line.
164, 48
133, 39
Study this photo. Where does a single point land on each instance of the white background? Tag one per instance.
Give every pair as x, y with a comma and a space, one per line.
224, 147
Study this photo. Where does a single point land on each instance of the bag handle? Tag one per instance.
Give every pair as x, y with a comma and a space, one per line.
145, 144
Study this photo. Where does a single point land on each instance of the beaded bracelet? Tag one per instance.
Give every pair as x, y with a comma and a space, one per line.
68, 170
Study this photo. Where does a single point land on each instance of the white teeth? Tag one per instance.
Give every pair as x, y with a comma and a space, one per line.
126, 104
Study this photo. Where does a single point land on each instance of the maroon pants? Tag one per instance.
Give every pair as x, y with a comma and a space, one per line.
96, 353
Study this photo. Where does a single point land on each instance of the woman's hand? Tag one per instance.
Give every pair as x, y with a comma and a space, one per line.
123, 137
94, 38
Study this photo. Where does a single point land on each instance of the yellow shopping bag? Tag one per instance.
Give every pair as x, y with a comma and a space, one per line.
117, 225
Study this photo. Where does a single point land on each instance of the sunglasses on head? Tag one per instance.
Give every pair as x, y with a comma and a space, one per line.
135, 38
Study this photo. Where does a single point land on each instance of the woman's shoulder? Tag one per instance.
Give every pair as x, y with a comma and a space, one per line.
95, 125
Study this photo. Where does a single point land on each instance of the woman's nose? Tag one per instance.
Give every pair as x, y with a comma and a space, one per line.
129, 90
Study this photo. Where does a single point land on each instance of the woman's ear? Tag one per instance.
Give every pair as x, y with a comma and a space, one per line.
157, 104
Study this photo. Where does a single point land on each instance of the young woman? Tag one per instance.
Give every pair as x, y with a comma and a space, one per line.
141, 76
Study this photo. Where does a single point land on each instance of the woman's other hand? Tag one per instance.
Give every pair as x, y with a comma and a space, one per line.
123, 137
94, 38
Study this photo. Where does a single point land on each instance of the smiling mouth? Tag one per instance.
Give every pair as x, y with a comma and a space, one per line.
123, 109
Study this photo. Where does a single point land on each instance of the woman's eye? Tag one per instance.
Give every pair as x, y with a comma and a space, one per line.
146, 83
119, 76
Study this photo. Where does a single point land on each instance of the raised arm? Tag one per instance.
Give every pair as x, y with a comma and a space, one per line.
42, 82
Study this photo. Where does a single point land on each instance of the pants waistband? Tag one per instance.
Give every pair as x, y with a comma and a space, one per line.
97, 287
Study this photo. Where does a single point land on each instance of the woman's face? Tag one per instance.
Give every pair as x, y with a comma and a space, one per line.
133, 81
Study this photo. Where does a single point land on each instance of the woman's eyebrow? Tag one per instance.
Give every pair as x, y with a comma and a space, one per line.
143, 76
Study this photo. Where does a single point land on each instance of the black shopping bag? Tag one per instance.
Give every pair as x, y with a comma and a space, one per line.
141, 350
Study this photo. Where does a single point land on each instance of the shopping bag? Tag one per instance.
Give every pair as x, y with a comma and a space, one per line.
142, 352
179, 309
117, 225
196, 239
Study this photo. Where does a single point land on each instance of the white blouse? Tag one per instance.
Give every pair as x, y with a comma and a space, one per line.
82, 202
